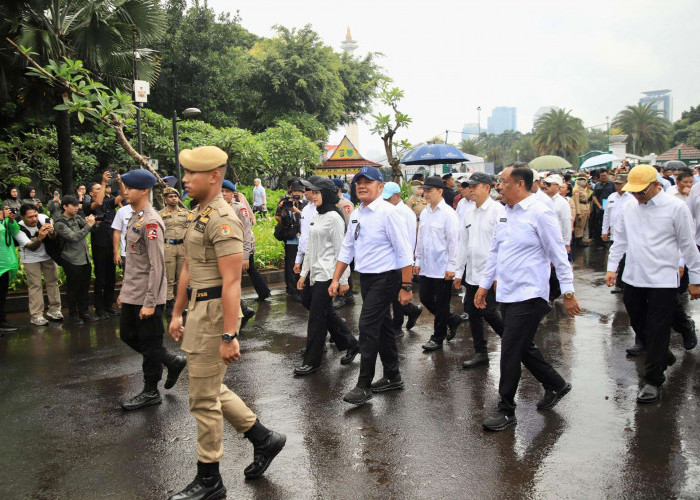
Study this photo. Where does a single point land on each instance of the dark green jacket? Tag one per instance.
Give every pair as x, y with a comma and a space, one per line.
73, 232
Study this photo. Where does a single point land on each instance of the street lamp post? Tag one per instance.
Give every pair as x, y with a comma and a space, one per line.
478, 119
136, 59
188, 113
607, 123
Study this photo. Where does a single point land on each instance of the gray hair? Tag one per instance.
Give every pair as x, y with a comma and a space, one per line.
257, 179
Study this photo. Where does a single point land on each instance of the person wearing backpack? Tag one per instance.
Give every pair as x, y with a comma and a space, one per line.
34, 230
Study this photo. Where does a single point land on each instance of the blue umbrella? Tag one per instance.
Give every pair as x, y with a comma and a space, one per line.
433, 154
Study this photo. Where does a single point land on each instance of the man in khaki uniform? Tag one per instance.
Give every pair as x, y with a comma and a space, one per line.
211, 277
581, 195
143, 292
175, 220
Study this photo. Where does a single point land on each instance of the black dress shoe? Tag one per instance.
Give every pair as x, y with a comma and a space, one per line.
89, 318
690, 339
6, 327
263, 297
174, 370
452, 327
479, 359
248, 313
551, 398
343, 300
306, 370
431, 345
202, 488
413, 317
398, 332
636, 350
649, 394
102, 315
350, 355
499, 421
358, 396
263, 454
387, 384
76, 320
142, 400
111, 311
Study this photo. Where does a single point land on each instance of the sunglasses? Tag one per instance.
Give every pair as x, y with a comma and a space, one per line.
643, 193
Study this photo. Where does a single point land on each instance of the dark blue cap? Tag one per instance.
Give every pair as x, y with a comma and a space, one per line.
371, 173
139, 179
339, 183
170, 180
229, 185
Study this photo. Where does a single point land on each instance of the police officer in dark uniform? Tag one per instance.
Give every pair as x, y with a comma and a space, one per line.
143, 292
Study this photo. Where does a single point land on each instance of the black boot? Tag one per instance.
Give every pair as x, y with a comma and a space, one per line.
175, 366
207, 484
266, 445
248, 313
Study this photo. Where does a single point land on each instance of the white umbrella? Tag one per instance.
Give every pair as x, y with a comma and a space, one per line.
594, 161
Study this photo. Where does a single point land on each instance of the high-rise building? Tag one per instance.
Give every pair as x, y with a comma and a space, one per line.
543, 110
470, 131
502, 118
349, 46
661, 100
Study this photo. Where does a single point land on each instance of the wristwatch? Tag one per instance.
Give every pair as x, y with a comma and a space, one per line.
569, 295
408, 288
228, 337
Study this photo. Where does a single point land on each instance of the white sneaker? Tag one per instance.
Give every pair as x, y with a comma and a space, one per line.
38, 321
55, 315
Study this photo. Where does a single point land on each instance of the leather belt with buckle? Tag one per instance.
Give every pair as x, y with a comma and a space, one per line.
205, 293
175, 242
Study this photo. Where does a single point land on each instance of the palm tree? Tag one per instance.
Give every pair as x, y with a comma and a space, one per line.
645, 126
559, 133
104, 34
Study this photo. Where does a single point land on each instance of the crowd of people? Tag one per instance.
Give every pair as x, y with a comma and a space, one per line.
505, 241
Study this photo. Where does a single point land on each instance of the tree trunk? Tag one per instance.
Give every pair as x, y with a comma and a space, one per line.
65, 154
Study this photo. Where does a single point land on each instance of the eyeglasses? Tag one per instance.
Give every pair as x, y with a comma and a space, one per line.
357, 231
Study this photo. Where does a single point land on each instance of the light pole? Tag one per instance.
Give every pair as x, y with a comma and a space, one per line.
517, 155
478, 119
188, 113
136, 59
607, 123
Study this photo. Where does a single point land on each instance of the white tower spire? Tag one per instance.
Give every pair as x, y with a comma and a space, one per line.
349, 46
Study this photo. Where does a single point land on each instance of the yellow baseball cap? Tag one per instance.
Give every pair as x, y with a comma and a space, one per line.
639, 178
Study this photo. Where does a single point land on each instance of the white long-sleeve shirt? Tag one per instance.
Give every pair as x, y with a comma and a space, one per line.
652, 235
325, 237
376, 240
437, 246
409, 218
307, 213
613, 208
544, 198
476, 227
523, 246
562, 210
694, 206
462, 207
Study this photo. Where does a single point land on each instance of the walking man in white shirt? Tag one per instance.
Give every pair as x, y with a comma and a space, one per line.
613, 209
436, 261
550, 186
259, 197
523, 246
477, 226
383, 258
652, 233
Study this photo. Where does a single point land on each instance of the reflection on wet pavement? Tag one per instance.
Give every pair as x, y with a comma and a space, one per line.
64, 435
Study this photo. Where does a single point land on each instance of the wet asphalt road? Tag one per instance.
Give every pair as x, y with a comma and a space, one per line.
63, 434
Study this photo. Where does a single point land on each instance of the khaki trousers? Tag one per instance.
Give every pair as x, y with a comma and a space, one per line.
174, 260
210, 400
34, 271
580, 222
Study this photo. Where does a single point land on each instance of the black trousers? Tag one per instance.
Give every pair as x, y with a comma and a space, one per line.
105, 277
477, 316
620, 269
554, 287
595, 223
258, 280
145, 336
290, 277
4, 286
681, 322
323, 319
520, 323
376, 334
651, 314
400, 311
435, 294
77, 287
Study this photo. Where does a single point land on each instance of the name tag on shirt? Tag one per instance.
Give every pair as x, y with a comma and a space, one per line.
354, 222
503, 219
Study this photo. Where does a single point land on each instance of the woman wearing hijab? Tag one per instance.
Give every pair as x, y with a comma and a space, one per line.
31, 199
8, 262
326, 234
12, 201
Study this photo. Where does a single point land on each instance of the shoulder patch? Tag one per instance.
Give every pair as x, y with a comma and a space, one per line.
347, 209
225, 230
244, 212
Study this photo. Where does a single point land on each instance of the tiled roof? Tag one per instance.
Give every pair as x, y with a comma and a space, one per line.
687, 153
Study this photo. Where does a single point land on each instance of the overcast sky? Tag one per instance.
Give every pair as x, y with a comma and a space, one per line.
592, 57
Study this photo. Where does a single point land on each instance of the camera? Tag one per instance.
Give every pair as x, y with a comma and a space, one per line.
99, 218
287, 203
13, 211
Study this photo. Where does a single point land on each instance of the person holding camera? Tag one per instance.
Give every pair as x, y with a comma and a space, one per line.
12, 201
288, 217
103, 207
8, 262
34, 229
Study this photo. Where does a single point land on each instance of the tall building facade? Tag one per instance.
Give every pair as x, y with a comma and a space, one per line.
502, 118
661, 100
470, 131
349, 46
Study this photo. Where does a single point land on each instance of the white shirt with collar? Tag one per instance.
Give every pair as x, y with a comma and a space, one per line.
307, 214
544, 197
409, 218
437, 246
562, 210
613, 209
522, 249
31, 256
462, 205
476, 226
694, 206
652, 235
376, 239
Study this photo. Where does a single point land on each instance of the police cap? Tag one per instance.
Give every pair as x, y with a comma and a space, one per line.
203, 158
139, 179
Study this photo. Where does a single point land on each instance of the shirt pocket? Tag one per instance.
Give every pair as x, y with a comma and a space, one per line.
133, 243
438, 236
195, 246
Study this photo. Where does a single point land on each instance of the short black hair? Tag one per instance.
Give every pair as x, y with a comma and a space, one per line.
567, 177
685, 169
603, 171
90, 186
26, 207
69, 199
523, 173
519, 164
683, 175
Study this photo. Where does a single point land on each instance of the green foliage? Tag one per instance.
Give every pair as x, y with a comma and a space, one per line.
687, 129
289, 152
559, 133
386, 125
269, 252
645, 127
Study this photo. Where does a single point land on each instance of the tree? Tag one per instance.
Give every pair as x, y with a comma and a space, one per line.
289, 153
645, 126
386, 127
103, 33
558, 132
